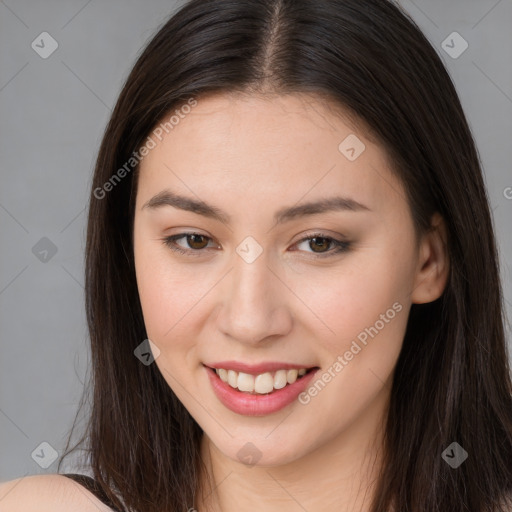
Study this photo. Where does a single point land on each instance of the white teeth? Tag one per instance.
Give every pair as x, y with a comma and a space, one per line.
245, 382
263, 383
280, 379
232, 378
291, 376
259, 384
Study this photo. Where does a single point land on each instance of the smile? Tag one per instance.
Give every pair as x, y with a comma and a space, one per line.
263, 383
258, 394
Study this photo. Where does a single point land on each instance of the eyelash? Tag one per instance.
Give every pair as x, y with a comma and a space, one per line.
340, 246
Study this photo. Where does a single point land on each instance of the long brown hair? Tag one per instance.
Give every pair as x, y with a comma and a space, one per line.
452, 381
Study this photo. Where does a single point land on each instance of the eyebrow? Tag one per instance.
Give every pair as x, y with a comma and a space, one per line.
338, 203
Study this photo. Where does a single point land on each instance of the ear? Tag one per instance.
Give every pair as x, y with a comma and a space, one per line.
433, 263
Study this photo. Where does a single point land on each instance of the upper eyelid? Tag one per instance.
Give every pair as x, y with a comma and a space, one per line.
304, 238
311, 234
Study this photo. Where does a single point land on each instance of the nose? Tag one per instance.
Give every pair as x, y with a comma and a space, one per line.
254, 307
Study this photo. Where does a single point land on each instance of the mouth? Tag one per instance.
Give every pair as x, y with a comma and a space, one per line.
263, 383
269, 388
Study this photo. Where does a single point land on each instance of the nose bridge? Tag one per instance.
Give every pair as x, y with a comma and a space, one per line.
253, 308
251, 283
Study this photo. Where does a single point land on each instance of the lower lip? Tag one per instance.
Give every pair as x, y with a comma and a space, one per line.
257, 405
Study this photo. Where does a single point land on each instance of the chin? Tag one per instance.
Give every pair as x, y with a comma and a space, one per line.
262, 453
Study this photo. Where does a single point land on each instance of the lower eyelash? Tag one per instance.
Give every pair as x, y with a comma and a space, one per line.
339, 246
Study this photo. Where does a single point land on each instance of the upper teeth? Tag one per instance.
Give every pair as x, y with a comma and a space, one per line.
262, 383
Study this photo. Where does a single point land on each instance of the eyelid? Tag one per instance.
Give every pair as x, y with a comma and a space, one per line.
340, 245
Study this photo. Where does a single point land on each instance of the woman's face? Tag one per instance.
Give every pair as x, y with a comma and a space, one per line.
264, 280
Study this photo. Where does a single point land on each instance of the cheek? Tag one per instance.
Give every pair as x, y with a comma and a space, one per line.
168, 310
159, 291
359, 300
170, 297
366, 313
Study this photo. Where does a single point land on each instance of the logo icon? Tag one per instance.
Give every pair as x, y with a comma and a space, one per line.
249, 249
44, 250
454, 45
249, 454
454, 455
45, 455
147, 352
351, 147
44, 45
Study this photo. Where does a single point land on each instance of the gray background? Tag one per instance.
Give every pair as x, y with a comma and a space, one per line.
52, 115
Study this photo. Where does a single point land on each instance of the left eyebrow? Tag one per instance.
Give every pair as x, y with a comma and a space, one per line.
338, 203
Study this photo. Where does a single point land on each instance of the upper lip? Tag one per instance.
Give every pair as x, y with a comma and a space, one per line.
256, 369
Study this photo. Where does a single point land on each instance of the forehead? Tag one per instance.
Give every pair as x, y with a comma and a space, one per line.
276, 148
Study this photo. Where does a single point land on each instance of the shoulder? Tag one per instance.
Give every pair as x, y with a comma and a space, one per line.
47, 493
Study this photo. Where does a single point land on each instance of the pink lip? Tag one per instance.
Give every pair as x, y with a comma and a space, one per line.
256, 369
257, 405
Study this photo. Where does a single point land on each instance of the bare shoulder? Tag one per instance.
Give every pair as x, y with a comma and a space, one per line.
47, 493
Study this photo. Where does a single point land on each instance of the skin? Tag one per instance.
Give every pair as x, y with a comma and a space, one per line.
250, 156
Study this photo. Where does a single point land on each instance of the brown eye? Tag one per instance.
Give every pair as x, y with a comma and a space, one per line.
320, 242
197, 241
322, 246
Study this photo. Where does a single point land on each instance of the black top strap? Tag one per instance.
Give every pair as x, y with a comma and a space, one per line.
91, 485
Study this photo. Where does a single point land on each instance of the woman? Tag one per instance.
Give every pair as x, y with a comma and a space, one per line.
292, 281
